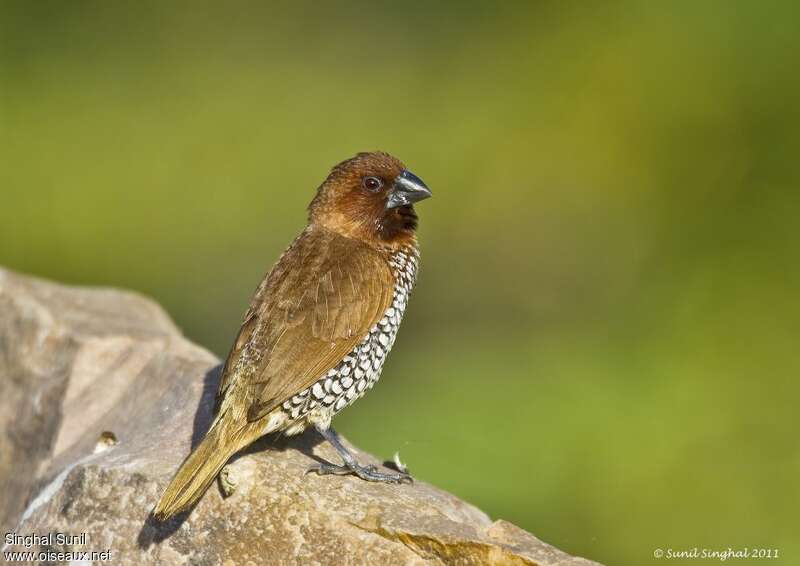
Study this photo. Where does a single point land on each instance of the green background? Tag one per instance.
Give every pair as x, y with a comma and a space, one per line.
602, 346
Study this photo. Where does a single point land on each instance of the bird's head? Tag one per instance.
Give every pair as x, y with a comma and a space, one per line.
369, 197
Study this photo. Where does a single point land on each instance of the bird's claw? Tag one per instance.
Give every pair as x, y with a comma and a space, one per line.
367, 473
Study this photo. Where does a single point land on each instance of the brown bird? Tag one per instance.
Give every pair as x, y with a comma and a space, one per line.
320, 325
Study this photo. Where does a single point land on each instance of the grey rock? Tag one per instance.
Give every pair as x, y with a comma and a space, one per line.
103, 398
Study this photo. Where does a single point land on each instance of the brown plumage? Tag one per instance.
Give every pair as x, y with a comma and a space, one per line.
320, 324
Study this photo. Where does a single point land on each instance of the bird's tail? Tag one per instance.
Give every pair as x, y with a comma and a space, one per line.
201, 467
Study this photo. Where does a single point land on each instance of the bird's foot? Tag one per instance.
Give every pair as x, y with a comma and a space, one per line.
367, 473
352, 467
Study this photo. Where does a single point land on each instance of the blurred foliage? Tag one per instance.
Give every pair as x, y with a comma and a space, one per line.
602, 346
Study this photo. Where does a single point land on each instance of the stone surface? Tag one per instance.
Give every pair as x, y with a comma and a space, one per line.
103, 398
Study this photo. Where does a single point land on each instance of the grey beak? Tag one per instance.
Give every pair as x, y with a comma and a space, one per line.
408, 188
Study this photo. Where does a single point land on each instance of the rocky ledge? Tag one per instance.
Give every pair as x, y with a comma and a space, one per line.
103, 398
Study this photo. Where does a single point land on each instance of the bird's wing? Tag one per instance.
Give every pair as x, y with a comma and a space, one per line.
319, 301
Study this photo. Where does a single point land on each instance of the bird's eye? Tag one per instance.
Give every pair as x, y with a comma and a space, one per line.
372, 183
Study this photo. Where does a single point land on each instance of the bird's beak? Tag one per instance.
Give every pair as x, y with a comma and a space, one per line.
407, 189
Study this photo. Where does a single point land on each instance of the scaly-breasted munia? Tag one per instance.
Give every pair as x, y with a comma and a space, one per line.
320, 324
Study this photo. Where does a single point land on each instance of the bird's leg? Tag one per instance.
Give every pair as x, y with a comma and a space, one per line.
351, 466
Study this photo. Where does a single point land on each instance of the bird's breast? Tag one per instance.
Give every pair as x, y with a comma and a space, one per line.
360, 369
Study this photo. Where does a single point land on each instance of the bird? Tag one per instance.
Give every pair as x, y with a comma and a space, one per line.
319, 326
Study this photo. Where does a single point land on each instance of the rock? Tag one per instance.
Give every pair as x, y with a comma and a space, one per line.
103, 398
